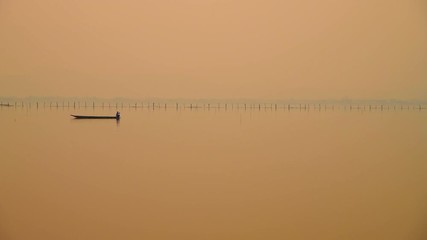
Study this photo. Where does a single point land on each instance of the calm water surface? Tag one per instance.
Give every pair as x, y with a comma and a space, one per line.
198, 174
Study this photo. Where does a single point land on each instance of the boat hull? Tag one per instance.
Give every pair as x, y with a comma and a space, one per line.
95, 117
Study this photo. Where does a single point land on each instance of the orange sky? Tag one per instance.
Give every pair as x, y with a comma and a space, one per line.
214, 48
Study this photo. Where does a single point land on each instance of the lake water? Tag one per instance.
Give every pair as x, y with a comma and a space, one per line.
213, 174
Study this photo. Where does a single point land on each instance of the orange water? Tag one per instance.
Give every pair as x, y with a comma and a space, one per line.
198, 174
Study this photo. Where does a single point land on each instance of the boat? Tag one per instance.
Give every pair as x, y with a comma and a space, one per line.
117, 117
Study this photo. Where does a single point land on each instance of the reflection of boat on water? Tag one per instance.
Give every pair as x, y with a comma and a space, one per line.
6, 105
117, 117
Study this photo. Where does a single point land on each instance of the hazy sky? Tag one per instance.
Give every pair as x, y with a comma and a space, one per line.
214, 48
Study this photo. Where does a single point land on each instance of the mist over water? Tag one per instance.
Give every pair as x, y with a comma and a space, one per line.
218, 173
215, 139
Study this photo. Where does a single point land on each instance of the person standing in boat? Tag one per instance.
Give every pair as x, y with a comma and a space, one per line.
117, 114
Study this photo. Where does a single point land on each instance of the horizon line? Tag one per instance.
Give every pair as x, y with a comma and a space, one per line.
235, 99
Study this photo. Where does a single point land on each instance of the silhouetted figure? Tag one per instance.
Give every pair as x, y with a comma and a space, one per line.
118, 115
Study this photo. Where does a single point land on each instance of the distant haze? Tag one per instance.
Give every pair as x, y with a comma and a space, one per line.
214, 48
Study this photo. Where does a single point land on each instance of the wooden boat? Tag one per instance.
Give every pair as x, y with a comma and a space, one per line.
95, 117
